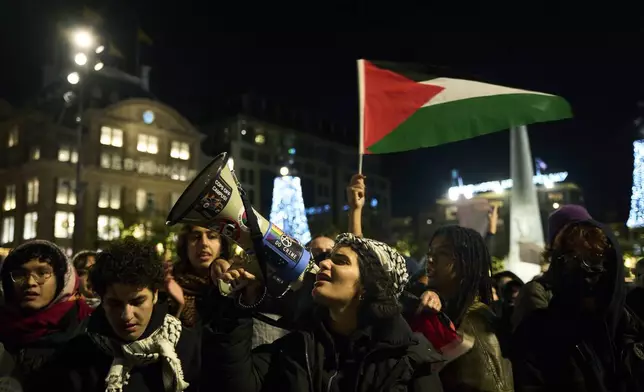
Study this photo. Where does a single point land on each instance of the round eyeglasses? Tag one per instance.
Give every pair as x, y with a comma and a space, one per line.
21, 276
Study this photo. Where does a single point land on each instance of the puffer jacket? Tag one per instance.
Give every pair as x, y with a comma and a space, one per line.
387, 357
483, 368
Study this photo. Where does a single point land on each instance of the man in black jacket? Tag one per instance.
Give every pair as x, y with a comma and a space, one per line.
132, 343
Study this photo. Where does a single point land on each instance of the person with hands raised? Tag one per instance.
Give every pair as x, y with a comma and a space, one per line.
354, 338
356, 196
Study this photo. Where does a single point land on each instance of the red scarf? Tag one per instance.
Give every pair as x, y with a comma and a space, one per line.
18, 329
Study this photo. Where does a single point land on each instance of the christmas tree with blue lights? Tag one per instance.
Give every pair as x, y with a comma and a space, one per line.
287, 210
636, 216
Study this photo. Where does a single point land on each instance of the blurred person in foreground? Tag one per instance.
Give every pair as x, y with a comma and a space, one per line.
585, 339
42, 310
83, 261
354, 339
132, 343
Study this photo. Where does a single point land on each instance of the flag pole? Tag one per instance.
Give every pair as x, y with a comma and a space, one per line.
361, 99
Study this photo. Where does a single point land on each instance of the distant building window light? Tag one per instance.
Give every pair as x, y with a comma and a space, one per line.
13, 137
180, 150
67, 154
260, 139
35, 153
148, 144
111, 136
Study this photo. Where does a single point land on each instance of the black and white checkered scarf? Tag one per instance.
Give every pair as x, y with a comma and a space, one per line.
372, 251
159, 346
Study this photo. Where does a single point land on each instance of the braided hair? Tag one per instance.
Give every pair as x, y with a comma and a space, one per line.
474, 267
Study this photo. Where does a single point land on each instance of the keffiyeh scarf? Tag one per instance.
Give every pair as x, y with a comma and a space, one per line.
159, 346
372, 251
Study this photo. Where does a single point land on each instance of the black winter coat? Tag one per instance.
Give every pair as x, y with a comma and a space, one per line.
82, 367
382, 358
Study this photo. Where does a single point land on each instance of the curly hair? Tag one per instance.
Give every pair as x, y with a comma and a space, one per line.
474, 266
129, 262
182, 245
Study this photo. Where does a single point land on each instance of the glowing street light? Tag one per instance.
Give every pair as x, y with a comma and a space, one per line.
82, 38
73, 78
284, 171
98, 66
100, 49
80, 59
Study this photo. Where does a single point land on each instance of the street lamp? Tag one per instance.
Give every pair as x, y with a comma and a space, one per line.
83, 44
73, 78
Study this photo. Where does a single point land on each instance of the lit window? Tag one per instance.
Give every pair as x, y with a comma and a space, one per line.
109, 227
10, 198
66, 193
13, 137
180, 150
35, 153
180, 173
109, 197
8, 229
111, 161
67, 154
144, 200
31, 223
111, 136
64, 224
32, 191
147, 143
260, 139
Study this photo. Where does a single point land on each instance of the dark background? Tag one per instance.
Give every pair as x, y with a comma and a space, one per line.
195, 68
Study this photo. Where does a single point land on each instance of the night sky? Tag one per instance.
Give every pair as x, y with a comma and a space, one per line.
195, 67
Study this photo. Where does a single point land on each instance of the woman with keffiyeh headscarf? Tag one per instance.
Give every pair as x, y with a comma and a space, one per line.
355, 338
42, 310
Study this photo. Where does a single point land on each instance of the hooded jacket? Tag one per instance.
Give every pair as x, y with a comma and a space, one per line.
559, 348
376, 358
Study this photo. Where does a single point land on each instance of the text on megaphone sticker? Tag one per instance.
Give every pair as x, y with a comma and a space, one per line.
215, 200
284, 244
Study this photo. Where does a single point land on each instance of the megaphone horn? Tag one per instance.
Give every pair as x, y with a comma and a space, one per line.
213, 200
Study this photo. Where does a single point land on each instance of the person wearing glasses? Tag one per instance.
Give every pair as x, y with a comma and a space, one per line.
41, 310
583, 339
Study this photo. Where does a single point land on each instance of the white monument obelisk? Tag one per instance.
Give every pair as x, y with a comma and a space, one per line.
526, 232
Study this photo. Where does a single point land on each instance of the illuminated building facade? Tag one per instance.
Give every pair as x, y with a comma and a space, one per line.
137, 157
552, 190
262, 151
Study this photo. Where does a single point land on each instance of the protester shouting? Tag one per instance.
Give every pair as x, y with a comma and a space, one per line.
355, 339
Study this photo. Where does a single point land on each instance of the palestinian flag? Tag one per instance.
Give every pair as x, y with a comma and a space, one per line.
401, 114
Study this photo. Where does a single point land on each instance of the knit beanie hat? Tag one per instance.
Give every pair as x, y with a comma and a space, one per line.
44, 249
372, 251
560, 218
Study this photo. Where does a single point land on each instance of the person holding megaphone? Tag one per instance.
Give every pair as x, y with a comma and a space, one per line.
354, 336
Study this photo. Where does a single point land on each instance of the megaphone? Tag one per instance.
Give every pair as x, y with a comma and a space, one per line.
213, 200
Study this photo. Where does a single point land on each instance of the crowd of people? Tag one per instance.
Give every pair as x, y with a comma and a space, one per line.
124, 319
